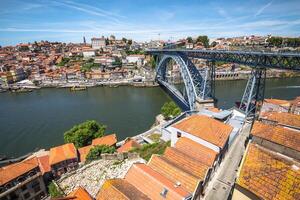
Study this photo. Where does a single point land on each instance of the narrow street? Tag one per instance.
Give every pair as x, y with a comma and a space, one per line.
221, 184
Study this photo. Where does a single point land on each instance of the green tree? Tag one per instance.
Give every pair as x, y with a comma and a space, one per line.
275, 41
170, 110
124, 40
204, 40
96, 152
152, 62
54, 191
189, 39
129, 42
83, 134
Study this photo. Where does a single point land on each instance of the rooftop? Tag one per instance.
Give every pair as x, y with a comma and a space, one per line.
44, 164
283, 118
279, 102
13, 171
83, 152
206, 128
196, 150
61, 153
269, 175
80, 194
109, 140
153, 184
277, 134
128, 145
174, 172
120, 189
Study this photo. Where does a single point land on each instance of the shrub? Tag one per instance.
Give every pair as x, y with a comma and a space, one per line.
170, 110
83, 134
147, 150
96, 152
54, 191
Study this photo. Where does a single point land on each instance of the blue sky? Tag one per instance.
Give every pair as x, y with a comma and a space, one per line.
70, 20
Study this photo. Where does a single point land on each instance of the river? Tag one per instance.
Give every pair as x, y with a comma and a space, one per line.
38, 119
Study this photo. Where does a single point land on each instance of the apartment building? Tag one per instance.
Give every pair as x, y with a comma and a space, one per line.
22, 181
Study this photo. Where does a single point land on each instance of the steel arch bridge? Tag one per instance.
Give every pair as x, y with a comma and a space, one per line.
199, 84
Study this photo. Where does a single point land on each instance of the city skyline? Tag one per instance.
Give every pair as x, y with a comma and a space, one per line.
69, 21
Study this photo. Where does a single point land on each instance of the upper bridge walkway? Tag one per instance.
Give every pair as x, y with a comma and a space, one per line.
272, 60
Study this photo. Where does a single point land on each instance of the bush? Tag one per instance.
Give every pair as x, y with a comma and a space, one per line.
147, 150
54, 191
83, 134
96, 152
170, 110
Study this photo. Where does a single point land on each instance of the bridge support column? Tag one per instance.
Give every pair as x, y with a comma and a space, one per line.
254, 93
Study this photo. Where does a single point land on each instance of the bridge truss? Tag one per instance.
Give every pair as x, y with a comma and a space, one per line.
199, 85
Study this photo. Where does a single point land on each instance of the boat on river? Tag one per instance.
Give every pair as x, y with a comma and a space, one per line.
78, 88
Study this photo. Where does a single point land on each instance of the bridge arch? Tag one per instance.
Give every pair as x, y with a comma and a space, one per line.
195, 83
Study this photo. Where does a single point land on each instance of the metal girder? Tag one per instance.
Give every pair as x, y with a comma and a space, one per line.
193, 80
288, 61
254, 92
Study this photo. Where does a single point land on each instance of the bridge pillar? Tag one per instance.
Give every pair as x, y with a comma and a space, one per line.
254, 93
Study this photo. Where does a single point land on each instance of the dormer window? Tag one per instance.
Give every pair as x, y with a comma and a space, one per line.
178, 134
164, 193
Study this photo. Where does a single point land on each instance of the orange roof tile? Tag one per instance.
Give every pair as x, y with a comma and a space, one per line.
44, 164
279, 102
186, 162
61, 153
268, 175
84, 151
128, 145
206, 128
152, 183
174, 172
196, 150
277, 134
109, 140
119, 189
282, 118
13, 171
80, 194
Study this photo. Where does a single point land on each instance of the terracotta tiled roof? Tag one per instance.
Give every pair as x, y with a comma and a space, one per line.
152, 183
109, 140
174, 172
186, 162
83, 152
279, 102
44, 164
283, 118
61, 153
80, 194
128, 145
277, 134
119, 189
13, 171
206, 128
268, 175
196, 150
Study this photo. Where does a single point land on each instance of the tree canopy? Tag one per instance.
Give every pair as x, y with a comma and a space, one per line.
170, 110
83, 134
189, 39
96, 152
203, 39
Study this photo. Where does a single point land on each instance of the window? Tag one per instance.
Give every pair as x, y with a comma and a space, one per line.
164, 193
178, 134
26, 195
24, 188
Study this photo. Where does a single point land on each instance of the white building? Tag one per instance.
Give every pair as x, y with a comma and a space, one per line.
98, 43
88, 52
138, 59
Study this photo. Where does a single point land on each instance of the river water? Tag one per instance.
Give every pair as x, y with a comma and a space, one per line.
39, 119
